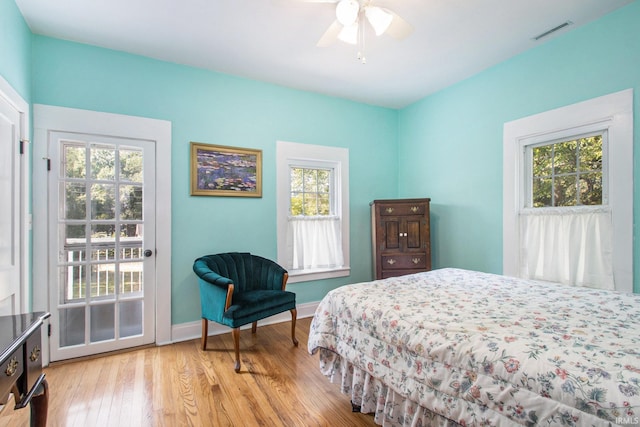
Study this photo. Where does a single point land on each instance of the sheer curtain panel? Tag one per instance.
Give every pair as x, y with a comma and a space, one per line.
573, 246
314, 242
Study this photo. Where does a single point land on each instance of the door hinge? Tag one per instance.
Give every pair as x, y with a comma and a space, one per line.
48, 162
22, 142
49, 330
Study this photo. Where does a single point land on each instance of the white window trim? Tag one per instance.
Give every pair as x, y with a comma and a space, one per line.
292, 153
613, 113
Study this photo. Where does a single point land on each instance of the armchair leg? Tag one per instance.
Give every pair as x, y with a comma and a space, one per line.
294, 315
235, 333
254, 326
205, 333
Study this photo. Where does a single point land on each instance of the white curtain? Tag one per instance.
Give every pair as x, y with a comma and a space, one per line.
314, 242
573, 246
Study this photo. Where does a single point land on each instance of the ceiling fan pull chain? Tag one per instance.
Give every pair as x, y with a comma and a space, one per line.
361, 41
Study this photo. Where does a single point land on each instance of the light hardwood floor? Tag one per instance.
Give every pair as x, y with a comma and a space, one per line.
180, 385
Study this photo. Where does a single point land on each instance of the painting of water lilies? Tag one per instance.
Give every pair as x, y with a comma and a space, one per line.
218, 170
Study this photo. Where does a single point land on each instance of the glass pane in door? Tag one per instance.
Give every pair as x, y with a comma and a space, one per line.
72, 326
102, 322
131, 318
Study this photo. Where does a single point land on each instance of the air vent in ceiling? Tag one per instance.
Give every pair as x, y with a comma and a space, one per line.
553, 30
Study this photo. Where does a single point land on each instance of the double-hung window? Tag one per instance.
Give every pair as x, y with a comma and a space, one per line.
565, 221
568, 194
313, 214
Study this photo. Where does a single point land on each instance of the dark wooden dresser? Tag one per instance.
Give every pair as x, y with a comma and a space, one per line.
21, 364
400, 237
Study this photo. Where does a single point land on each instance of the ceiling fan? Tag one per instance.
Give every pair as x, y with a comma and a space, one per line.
351, 21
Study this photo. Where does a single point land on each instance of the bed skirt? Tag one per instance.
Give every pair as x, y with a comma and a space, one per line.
370, 396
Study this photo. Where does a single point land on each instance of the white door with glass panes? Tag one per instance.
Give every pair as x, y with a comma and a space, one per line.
102, 238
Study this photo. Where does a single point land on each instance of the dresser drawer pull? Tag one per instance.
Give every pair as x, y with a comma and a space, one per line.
391, 261
414, 209
389, 210
12, 367
35, 354
415, 260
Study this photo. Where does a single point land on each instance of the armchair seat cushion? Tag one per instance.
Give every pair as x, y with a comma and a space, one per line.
250, 306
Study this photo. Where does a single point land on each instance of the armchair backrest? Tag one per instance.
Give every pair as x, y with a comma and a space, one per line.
248, 272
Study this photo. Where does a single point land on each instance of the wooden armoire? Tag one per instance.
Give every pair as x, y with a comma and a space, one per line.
400, 237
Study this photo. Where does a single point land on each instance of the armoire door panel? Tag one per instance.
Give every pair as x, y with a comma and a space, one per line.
392, 235
413, 234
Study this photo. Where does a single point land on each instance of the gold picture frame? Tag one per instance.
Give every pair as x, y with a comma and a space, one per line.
219, 170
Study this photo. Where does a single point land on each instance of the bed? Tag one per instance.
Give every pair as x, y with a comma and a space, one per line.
454, 347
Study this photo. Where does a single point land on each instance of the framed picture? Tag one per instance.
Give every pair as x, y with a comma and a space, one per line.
217, 170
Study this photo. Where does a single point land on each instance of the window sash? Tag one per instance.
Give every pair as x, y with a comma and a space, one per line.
314, 242
530, 144
331, 193
566, 244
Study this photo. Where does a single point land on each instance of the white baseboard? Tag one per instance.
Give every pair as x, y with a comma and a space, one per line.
193, 330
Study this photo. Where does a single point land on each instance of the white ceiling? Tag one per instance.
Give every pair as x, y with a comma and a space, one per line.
275, 40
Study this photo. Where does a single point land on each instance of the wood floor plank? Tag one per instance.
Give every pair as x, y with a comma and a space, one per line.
181, 385
132, 411
107, 393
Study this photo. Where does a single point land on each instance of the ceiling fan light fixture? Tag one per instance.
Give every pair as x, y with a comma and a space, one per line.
349, 34
379, 19
347, 12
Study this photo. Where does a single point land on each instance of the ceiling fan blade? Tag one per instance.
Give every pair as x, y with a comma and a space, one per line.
379, 18
399, 28
349, 33
331, 35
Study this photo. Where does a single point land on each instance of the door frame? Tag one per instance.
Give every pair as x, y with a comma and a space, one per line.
8, 93
46, 118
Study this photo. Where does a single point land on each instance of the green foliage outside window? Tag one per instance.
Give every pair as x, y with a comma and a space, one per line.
568, 173
103, 197
310, 191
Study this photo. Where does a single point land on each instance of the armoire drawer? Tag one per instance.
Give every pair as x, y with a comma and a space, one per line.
403, 209
405, 261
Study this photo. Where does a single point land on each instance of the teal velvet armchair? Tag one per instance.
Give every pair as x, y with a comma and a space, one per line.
240, 288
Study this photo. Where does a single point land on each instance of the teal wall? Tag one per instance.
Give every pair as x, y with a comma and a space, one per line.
214, 108
450, 143
15, 49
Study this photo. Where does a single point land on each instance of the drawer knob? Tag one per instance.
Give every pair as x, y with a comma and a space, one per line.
415, 260
414, 209
391, 261
12, 367
389, 210
35, 354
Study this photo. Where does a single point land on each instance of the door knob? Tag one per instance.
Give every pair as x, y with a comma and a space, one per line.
148, 253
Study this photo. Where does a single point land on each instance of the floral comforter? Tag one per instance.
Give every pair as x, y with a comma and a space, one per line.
483, 349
